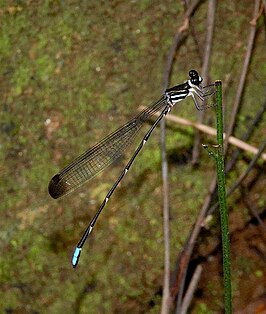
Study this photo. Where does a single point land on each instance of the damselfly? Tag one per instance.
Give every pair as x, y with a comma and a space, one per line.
104, 153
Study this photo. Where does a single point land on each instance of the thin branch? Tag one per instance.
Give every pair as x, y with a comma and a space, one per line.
211, 131
250, 130
254, 20
252, 209
242, 176
249, 168
205, 71
191, 290
178, 39
166, 300
192, 30
243, 76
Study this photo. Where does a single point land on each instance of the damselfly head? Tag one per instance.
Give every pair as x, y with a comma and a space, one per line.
195, 78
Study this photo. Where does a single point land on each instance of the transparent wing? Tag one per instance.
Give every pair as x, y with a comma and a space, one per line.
101, 155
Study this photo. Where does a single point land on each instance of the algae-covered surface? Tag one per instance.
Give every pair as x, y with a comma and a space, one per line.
70, 73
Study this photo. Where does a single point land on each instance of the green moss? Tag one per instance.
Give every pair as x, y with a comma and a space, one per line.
87, 66
4, 44
202, 308
259, 273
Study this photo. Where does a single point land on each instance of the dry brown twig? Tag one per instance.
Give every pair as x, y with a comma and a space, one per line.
197, 141
211, 131
178, 39
253, 22
190, 291
241, 178
243, 76
205, 71
246, 136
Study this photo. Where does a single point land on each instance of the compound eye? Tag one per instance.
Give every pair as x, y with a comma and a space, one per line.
193, 73
195, 81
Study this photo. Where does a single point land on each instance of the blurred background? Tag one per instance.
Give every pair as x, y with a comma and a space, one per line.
72, 72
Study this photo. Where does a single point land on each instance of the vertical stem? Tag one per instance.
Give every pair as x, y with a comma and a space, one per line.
219, 113
166, 302
222, 200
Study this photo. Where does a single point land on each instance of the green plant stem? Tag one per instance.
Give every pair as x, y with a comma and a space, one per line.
219, 158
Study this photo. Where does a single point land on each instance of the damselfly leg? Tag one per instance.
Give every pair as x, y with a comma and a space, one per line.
203, 97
